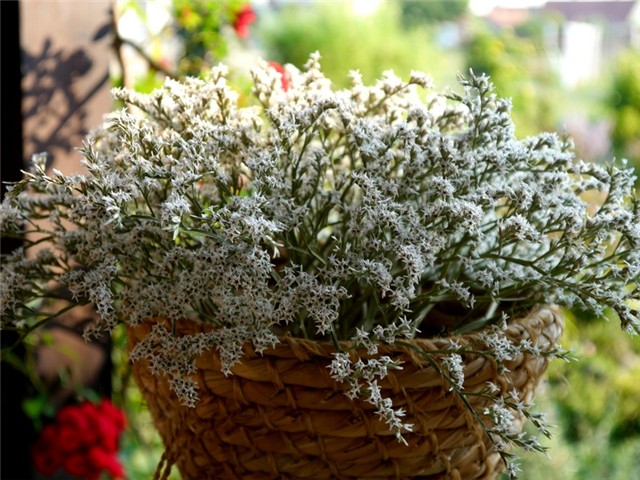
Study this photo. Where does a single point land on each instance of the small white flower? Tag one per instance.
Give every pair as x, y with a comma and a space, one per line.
454, 366
340, 366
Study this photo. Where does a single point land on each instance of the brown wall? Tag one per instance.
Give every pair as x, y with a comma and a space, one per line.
66, 90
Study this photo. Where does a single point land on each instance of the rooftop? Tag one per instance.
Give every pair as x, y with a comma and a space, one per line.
611, 11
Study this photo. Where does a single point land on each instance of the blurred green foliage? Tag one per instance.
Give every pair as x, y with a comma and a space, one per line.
369, 43
595, 403
519, 70
624, 98
140, 445
199, 24
201, 28
603, 387
416, 12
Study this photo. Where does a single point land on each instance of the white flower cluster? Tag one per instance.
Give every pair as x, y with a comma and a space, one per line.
359, 214
362, 378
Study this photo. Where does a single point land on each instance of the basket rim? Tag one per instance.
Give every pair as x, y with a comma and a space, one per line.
541, 321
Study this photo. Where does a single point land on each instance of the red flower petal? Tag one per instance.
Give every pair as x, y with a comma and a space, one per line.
244, 18
46, 462
113, 413
70, 439
83, 440
284, 80
79, 465
47, 457
106, 461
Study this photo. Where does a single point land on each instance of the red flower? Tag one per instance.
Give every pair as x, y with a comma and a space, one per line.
245, 17
48, 435
114, 414
106, 461
46, 461
79, 465
109, 433
73, 415
83, 440
69, 439
284, 79
76, 426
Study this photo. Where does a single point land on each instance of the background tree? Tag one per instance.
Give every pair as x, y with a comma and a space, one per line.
370, 43
519, 69
415, 12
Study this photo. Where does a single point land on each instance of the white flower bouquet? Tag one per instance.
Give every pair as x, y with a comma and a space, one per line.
373, 215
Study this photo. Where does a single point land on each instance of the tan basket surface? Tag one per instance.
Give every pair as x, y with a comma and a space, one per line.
281, 415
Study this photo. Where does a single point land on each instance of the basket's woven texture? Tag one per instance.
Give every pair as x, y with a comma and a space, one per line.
281, 415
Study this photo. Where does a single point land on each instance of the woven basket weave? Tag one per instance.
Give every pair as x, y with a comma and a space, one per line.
281, 415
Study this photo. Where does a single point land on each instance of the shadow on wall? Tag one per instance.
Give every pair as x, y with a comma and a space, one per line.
57, 87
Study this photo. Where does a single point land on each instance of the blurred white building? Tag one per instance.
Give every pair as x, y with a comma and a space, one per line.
589, 33
581, 35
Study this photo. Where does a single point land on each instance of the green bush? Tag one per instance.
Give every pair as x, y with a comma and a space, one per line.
519, 70
370, 44
415, 12
624, 99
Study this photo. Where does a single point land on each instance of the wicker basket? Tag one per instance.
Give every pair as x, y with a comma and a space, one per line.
281, 415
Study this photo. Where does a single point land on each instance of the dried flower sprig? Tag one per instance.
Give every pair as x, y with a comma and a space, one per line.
365, 214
